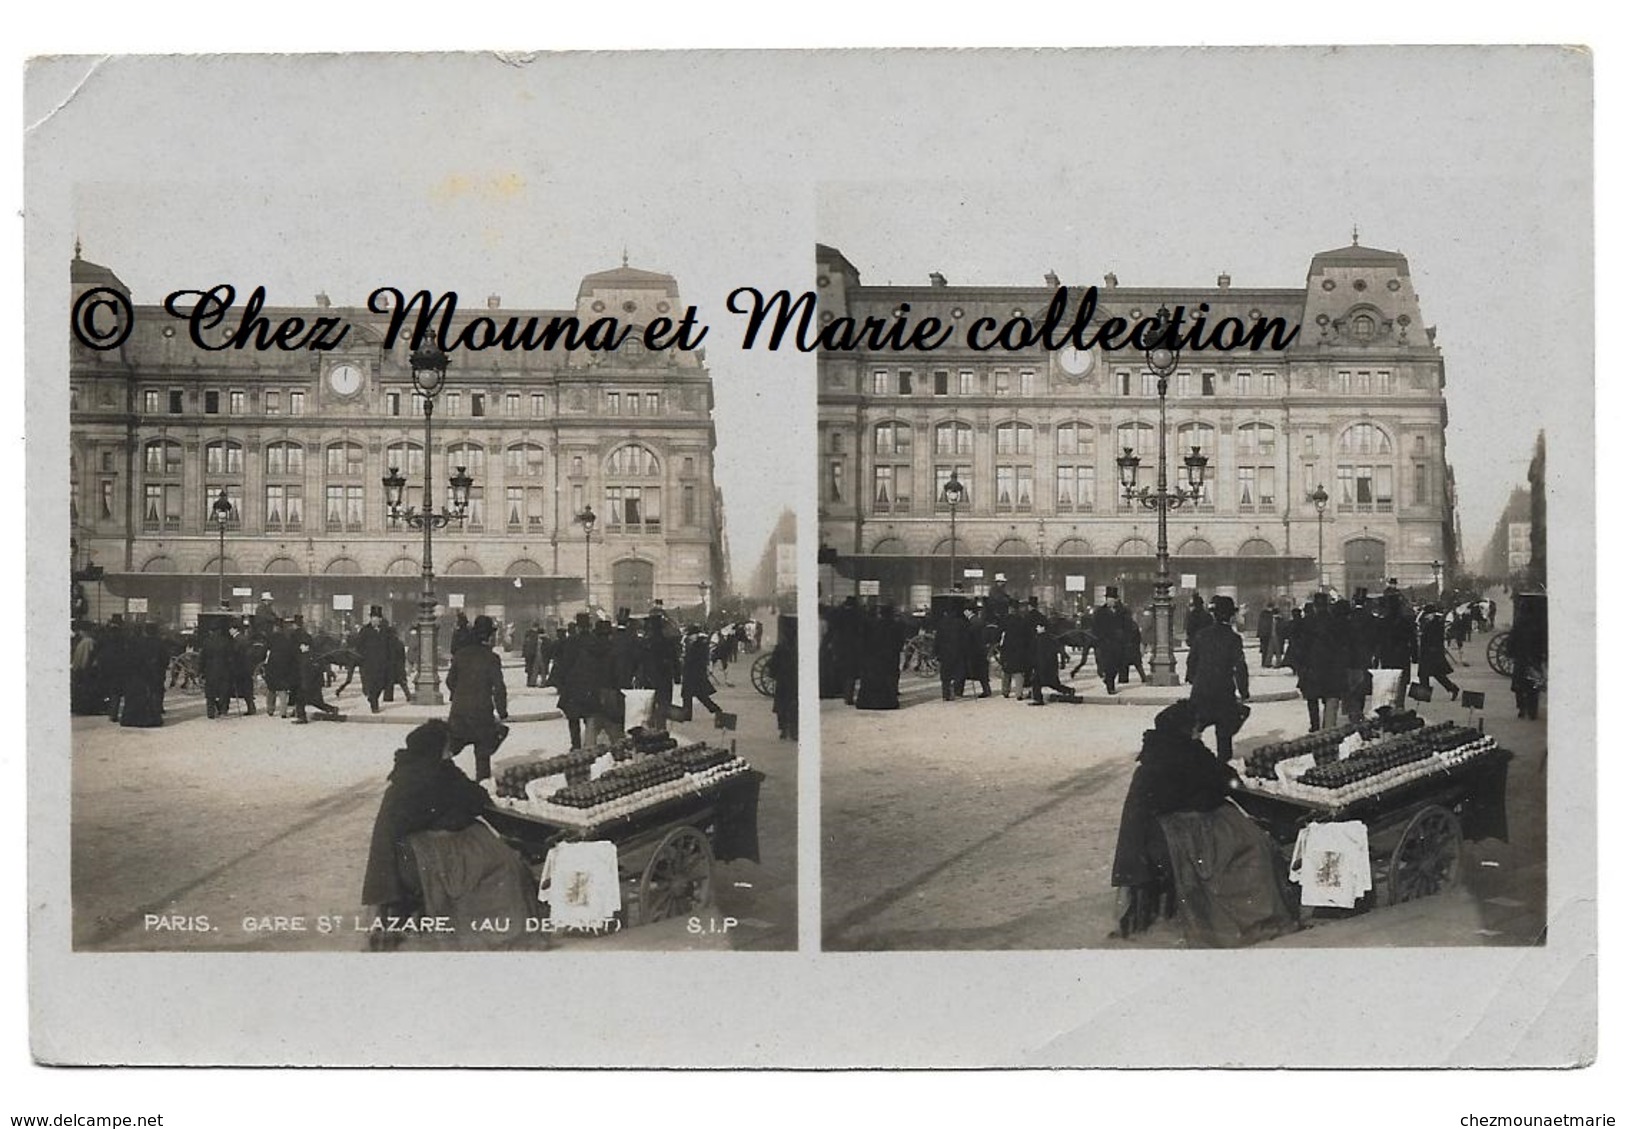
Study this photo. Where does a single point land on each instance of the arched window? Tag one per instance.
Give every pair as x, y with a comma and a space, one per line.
223, 456
524, 460
1420, 446
1199, 435
161, 459
893, 472
470, 456
1365, 471
955, 438
1363, 327
632, 461
1364, 439
1013, 439
1075, 439
346, 460
406, 457
633, 501
1141, 438
284, 459
1255, 467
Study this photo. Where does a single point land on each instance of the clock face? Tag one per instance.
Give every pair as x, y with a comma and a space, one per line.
345, 379
1075, 362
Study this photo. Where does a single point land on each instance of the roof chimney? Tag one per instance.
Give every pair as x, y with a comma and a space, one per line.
938, 279
1224, 281
493, 302
323, 301
1052, 280
1111, 280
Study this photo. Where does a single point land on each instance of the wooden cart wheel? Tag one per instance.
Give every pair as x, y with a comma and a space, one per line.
1427, 858
1497, 653
760, 677
677, 879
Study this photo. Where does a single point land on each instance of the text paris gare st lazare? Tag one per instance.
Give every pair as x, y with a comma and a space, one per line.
102, 319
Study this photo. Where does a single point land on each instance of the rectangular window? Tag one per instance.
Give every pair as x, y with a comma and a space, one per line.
634, 403
109, 460
1362, 383
538, 403
1075, 489
1421, 483
612, 403
1364, 486
1024, 488
273, 403
1210, 384
1345, 488
1309, 443
688, 465
107, 499
177, 403
535, 507
1311, 481
1385, 489
161, 508
943, 473
1004, 487
1246, 487
967, 382
1026, 382
510, 403
211, 403
1125, 382
1183, 385
1385, 383
578, 498
1001, 382
454, 403
418, 400
296, 403
1269, 383
1345, 383
882, 382
885, 488
239, 403
392, 403
234, 495
476, 509
1148, 384
690, 515
939, 382
149, 401
837, 480
1244, 384
284, 508
476, 404
73, 397
905, 382
514, 505
1266, 487
578, 468
651, 403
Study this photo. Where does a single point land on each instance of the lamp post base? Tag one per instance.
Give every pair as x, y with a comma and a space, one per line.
1164, 670
426, 686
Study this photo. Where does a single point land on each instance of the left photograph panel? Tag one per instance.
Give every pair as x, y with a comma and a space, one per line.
407, 610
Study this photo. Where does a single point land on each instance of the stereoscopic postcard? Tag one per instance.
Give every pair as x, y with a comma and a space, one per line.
587, 532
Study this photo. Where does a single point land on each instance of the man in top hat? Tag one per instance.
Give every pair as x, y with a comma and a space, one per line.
1112, 629
1216, 671
372, 644
479, 697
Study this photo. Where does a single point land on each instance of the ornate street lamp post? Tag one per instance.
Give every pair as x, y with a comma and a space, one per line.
953, 490
222, 516
1320, 498
588, 519
1162, 357
428, 375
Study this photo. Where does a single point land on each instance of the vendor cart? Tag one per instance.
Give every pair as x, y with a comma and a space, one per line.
666, 851
1415, 830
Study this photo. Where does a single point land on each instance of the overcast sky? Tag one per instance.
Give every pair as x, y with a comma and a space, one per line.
483, 174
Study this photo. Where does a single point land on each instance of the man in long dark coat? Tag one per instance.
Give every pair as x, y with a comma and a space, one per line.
479, 697
1016, 648
847, 630
1321, 646
217, 656
882, 655
373, 646
575, 697
953, 643
281, 670
110, 659
1216, 671
145, 661
1111, 631
247, 654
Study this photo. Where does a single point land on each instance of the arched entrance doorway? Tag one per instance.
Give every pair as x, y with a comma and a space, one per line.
634, 584
1365, 565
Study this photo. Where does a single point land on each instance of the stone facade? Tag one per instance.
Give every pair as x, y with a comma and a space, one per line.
1356, 404
301, 440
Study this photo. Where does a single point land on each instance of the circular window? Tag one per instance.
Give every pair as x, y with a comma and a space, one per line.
1393, 284
1327, 284
1134, 314
597, 307
828, 317
1359, 284
1255, 313
823, 280
1403, 319
1323, 319
629, 306
1018, 312
169, 331
957, 312
663, 307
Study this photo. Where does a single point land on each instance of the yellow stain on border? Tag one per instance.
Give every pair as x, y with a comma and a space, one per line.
498, 187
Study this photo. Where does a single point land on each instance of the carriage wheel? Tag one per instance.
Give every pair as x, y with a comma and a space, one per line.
760, 677
1497, 655
1427, 858
677, 880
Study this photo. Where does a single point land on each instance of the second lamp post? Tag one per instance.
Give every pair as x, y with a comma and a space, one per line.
428, 375
1162, 358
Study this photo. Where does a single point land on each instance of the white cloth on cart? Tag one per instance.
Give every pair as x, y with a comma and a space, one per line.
1332, 862
640, 709
581, 883
1385, 689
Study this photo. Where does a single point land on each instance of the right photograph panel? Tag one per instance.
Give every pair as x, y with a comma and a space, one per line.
1211, 523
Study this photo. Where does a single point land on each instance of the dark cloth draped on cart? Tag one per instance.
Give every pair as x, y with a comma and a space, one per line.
425, 793
1174, 773
1227, 877
736, 836
470, 876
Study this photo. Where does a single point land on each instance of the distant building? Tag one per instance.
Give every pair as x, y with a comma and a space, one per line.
1356, 405
300, 441
776, 571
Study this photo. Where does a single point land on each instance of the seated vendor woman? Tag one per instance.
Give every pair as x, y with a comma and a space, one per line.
426, 792
1175, 772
